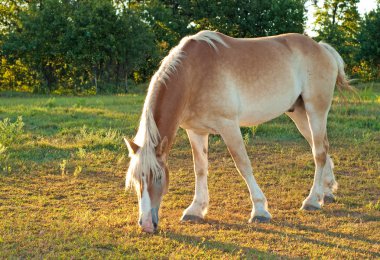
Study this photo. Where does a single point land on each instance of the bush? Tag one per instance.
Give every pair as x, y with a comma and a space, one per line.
365, 71
9, 134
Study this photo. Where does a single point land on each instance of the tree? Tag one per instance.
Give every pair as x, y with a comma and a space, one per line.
14, 74
173, 19
369, 40
106, 44
137, 44
38, 41
337, 23
9, 15
248, 18
74, 45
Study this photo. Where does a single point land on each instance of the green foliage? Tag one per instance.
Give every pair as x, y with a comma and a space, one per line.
248, 133
374, 205
109, 138
10, 134
9, 15
337, 23
62, 167
16, 76
88, 47
79, 45
369, 52
173, 20
4, 160
366, 71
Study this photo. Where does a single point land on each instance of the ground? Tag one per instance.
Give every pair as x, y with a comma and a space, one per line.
62, 192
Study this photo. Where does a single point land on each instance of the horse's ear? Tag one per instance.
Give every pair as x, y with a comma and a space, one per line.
161, 147
132, 147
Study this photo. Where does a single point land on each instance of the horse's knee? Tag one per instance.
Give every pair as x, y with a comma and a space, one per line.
201, 172
320, 158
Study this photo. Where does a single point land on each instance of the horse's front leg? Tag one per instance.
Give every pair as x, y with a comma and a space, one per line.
198, 208
230, 132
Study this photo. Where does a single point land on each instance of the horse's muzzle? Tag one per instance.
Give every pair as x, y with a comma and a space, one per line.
151, 224
154, 212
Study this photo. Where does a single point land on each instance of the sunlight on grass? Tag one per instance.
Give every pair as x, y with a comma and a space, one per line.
65, 196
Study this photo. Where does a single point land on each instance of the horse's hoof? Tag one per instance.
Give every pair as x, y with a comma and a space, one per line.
192, 218
329, 199
259, 219
309, 208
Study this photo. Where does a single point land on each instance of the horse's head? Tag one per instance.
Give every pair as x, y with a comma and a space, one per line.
148, 173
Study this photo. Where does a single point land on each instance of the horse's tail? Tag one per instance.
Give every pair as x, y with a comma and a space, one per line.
341, 80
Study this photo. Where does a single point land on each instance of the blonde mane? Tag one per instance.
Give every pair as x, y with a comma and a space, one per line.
148, 136
170, 63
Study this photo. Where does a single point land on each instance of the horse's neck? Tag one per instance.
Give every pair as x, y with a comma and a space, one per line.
168, 108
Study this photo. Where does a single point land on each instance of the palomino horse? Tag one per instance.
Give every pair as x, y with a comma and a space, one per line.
212, 83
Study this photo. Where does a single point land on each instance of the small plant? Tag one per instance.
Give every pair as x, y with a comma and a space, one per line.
10, 132
374, 205
66, 165
50, 102
4, 160
81, 156
62, 167
248, 133
77, 171
102, 137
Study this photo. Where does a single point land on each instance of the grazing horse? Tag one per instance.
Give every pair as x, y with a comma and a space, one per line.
212, 83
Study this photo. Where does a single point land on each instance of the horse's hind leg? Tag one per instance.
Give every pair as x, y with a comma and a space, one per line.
231, 135
316, 111
198, 208
299, 117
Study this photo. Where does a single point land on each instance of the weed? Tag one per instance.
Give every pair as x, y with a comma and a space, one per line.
374, 205
4, 160
10, 132
50, 103
81, 153
77, 171
100, 137
249, 133
62, 167
80, 158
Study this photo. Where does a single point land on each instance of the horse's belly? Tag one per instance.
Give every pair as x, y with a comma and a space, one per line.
256, 111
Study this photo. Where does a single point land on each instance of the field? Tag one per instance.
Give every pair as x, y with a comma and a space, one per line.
62, 192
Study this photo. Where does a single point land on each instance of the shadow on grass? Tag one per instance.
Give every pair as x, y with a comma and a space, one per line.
345, 212
329, 233
257, 227
43, 154
221, 246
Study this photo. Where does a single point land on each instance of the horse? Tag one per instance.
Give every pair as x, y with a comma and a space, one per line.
211, 83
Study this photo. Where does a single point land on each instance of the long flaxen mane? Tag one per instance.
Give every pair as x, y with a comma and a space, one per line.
148, 136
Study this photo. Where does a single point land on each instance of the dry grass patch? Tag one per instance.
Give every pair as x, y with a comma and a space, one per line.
47, 214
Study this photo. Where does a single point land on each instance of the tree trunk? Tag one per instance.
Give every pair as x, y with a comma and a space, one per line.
95, 80
335, 6
126, 82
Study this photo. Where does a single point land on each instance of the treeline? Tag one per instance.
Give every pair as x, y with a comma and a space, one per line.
84, 46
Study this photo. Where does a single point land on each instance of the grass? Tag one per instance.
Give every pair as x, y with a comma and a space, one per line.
65, 195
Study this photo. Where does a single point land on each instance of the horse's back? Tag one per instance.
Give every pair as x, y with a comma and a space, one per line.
253, 80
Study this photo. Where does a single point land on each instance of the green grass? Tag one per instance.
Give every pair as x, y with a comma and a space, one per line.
47, 211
